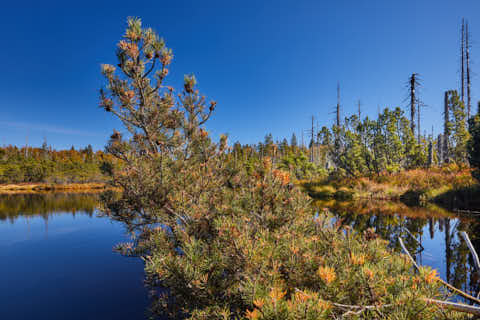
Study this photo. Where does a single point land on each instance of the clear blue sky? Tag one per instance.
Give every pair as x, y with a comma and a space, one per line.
270, 65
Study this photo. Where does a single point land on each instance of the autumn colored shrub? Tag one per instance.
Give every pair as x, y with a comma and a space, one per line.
223, 240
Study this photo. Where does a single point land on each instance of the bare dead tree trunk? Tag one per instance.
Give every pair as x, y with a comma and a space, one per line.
467, 49
312, 141
338, 104
462, 77
440, 148
412, 102
446, 129
337, 111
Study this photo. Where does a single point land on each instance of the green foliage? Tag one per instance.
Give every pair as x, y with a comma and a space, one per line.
458, 128
374, 146
35, 165
300, 166
473, 145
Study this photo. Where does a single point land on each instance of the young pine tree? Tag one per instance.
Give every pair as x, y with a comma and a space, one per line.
221, 241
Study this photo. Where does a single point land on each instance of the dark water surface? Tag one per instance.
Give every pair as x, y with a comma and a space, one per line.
56, 261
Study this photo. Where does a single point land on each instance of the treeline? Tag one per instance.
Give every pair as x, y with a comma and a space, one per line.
47, 165
388, 143
300, 160
366, 147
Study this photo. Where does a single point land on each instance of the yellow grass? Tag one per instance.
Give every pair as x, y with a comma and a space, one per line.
43, 187
426, 183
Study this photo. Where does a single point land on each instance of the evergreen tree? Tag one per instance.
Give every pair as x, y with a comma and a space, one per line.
473, 145
460, 133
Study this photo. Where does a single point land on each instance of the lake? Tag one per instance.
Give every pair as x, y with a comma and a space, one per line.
56, 258
56, 261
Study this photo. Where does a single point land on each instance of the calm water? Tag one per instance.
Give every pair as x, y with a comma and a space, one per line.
56, 262
56, 259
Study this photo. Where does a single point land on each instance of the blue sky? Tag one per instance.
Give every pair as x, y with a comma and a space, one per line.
270, 65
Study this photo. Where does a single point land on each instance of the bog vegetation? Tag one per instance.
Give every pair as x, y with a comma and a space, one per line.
225, 233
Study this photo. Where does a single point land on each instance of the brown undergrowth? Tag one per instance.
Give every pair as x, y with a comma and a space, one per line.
437, 184
45, 187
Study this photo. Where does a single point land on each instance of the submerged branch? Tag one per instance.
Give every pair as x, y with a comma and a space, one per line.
446, 284
455, 306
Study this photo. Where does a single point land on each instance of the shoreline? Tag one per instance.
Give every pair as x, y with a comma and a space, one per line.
51, 187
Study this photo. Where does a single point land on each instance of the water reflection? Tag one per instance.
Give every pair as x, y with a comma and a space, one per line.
13, 206
431, 232
56, 261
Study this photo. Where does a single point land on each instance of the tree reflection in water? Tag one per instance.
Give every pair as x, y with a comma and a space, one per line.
440, 228
13, 206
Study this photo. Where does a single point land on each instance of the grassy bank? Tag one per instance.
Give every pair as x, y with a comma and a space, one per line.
46, 187
449, 185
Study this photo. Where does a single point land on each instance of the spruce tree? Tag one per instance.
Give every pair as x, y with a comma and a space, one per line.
473, 145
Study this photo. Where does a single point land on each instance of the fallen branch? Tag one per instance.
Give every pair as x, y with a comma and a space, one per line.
354, 309
350, 307
413, 237
466, 211
455, 306
408, 254
472, 250
446, 284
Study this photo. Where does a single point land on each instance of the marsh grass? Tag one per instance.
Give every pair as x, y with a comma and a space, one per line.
451, 184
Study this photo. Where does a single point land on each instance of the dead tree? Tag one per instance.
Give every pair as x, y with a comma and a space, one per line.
430, 152
312, 141
440, 148
338, 105
412, 102
467, 53
462, 59
337, 121
415, 103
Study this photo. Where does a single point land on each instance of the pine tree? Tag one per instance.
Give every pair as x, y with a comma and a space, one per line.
473, 145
